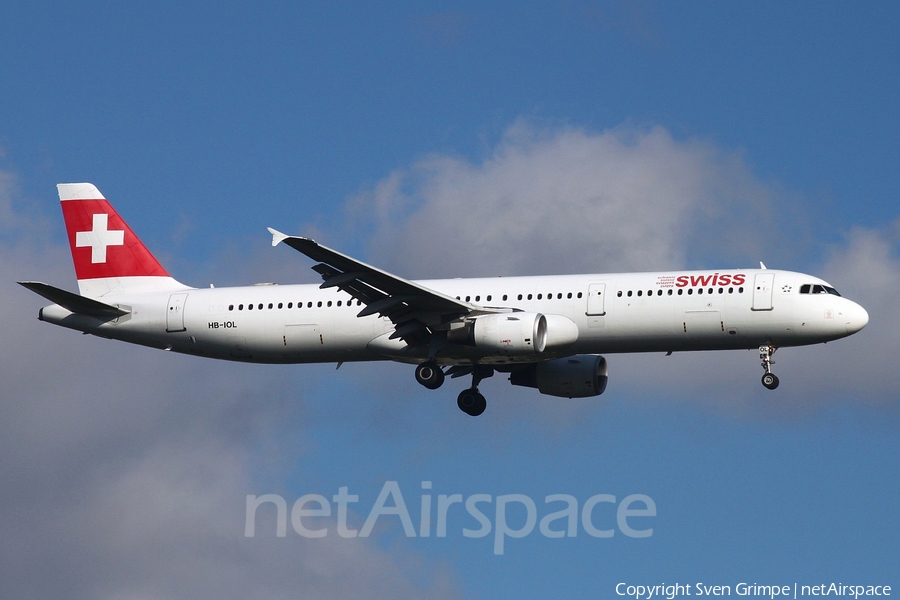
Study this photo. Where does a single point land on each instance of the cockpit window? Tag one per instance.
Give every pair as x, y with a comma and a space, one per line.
809, 288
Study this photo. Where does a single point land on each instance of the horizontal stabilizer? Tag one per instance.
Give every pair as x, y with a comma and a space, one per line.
73, 302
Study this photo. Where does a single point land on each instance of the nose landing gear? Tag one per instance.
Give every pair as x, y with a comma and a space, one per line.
769, 380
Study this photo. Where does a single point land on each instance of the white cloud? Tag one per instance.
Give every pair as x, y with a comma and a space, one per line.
568, 200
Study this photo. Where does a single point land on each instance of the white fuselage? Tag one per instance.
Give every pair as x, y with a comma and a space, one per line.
621, 312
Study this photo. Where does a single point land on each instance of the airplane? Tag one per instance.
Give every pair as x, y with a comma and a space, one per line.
545, 332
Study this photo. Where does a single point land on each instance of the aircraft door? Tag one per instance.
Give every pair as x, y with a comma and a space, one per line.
763, 286
596, 299
175, 313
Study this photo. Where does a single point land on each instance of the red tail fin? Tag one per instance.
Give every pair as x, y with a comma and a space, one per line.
108, 256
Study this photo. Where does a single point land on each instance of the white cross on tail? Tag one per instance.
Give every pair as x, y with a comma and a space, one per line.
99, 238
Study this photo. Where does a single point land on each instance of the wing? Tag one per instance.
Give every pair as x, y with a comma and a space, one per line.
416, 311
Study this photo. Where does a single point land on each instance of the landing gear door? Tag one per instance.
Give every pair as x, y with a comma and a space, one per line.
762, 291
303, 337
596, 302
175, 313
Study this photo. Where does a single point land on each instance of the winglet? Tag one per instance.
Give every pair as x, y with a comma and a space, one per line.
277, 236
762, 266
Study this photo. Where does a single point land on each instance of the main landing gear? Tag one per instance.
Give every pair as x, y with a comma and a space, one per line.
430, 375
470, 401
769, 380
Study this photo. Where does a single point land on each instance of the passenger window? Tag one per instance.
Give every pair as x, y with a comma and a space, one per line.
329, 304
240, 307
319, 304
540, 296
629, 293
659, 293
520, 296
680, 291
618, 294
504, 297
640, 293
699, 290
569, 295
529, 296
488, 298
579, 294
691, 291
231, 307
339, 303
477, 298
270, 306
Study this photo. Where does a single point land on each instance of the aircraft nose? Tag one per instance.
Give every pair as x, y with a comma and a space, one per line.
856, 317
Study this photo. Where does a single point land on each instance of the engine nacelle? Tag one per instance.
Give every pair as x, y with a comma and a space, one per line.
579, 376
561, 332
505, 334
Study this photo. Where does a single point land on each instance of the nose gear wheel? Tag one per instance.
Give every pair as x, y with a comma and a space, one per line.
769, 379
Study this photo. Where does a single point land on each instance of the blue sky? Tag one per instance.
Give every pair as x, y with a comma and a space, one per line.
450, 139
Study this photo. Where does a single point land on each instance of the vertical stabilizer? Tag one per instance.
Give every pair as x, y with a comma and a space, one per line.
109, 258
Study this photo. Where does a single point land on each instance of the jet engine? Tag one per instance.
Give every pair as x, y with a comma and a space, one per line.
561, 332
579, 376
504, 334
